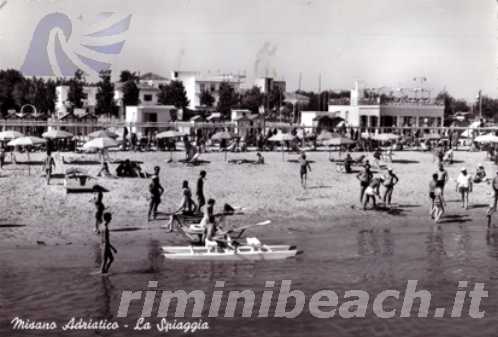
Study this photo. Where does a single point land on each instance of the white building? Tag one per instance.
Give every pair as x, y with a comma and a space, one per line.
195, 84
149, 114
153, 80
372, 113
62, 104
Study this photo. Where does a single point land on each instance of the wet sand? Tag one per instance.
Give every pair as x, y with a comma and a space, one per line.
344, 246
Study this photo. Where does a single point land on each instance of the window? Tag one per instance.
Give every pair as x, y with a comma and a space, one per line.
148, 98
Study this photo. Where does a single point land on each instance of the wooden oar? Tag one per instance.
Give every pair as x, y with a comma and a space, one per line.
262, 223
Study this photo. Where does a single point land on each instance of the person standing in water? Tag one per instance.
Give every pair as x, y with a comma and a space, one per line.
464, 186
107, 248
304, 166
49, 166
364, 177
99, 210
442, 177
390, 179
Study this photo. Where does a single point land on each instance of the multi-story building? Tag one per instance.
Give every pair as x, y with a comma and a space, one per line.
374, 113
195, 84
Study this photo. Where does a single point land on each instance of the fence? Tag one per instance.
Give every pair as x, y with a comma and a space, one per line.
38, 126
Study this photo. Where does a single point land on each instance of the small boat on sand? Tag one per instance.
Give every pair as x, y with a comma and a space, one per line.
240, 253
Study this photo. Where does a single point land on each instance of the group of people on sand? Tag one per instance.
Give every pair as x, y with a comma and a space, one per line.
370, 186
464, 185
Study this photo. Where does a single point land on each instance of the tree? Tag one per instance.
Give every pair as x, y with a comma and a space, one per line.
175, 94
105, 95
228, 99
127, 75
207, 99
8, 80
129, 87
252, 99
76, 94
489, 108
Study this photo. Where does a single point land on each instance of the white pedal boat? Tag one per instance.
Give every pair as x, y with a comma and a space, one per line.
241, 253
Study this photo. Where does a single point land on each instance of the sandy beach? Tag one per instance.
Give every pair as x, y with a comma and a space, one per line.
271, 191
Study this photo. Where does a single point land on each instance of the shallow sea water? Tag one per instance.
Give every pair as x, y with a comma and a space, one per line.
57, 283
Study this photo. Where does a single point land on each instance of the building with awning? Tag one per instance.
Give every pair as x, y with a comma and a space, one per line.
368, 113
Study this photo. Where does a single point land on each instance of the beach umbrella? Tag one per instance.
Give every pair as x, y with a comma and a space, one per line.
338, 141
57, 134
385, 137
103, 134
27, 141
222, 135
100, 143
9, 135
325, 135
486, 139
281, 138
432, 136
168, 135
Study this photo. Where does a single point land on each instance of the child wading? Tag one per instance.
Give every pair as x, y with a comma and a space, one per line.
107, 248
438, 206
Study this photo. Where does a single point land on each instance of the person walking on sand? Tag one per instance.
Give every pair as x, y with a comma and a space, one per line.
201, 199
49, 166
438, 209
390, 179
156, 191
107, 248
464, 186
492, 206
442, 177
365, 176
99, 210
304, 166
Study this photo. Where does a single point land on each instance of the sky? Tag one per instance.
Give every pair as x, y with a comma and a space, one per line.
378, 43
